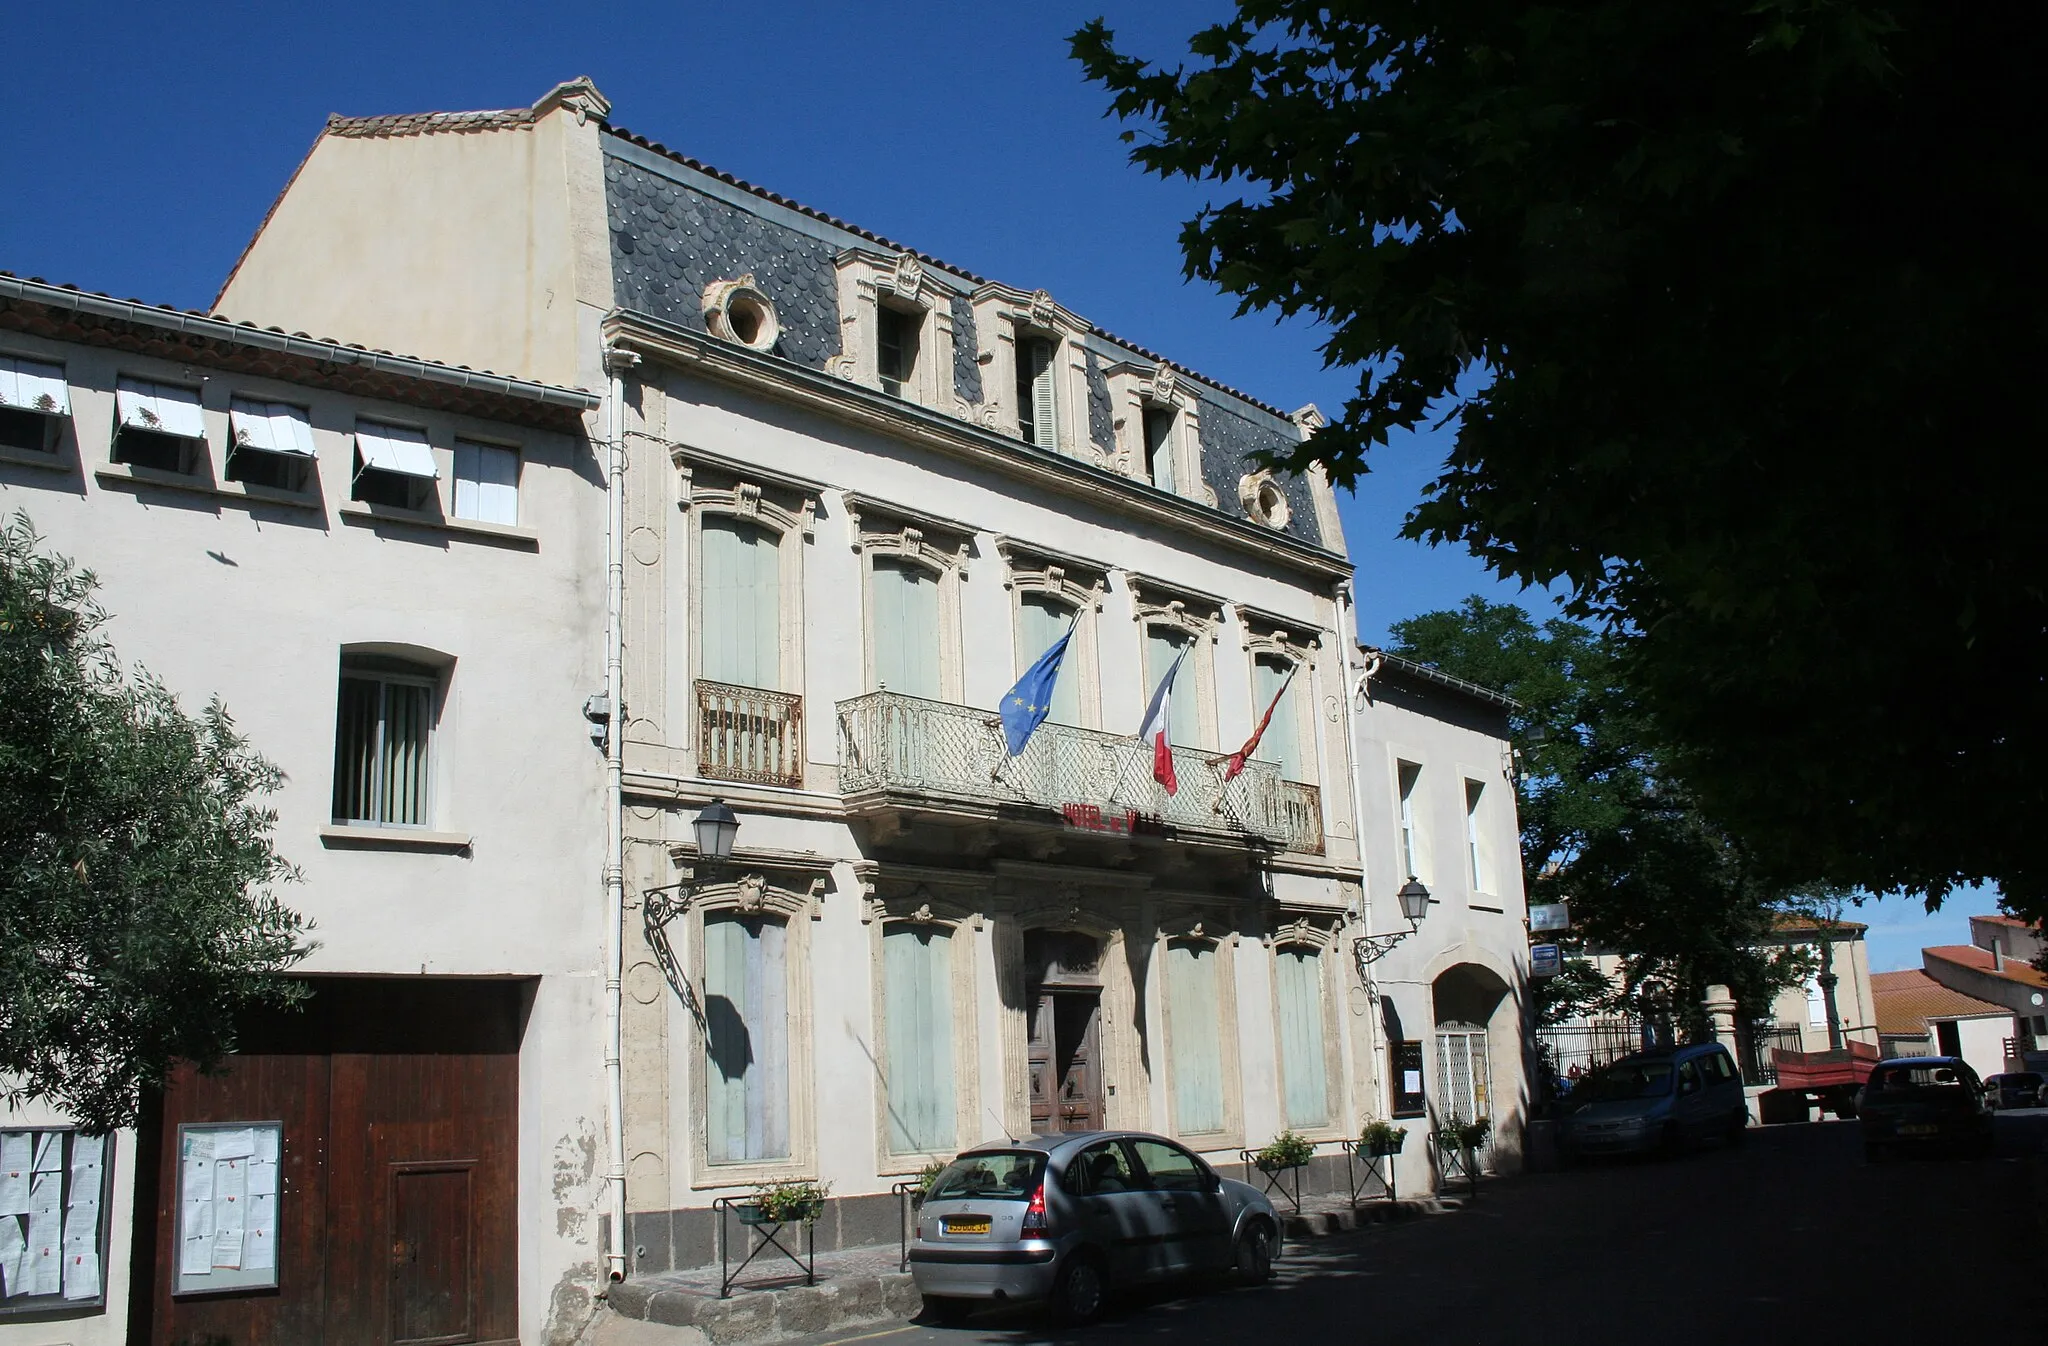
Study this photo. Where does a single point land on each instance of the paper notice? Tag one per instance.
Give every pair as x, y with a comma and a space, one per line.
227, 1250
45, 1196
87, 1153
198, 1180
196, 1220
81, 1275
82, 1228
262, 1176
199, 1145
237, 1144
45, 1271
13, 1248
195, 1256
230, 1192
266, 1145
1411, 1081
49, 1152
259, 1239
17, 1155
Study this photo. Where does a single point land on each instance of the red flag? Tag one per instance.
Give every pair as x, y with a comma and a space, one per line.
1251, 745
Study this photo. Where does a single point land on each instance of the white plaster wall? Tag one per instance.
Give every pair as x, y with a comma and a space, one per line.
1983, 1042
253, 604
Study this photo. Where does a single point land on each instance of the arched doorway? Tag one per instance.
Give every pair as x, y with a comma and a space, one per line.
1063, 999
1466, 998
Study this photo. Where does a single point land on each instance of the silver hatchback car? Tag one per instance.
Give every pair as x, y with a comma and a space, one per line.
1064, 1218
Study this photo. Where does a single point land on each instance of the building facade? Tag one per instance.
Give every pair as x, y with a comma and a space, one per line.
391, 572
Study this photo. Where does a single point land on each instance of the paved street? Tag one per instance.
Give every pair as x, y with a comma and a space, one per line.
1789, 1239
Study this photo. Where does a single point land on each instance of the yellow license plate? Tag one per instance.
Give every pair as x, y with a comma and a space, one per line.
1918, 1130
974, 1225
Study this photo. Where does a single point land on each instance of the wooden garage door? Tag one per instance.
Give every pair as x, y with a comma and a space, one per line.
398, 1170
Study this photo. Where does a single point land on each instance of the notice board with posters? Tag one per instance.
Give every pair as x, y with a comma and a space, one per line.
228, 1192
1405, 1078
55, 1200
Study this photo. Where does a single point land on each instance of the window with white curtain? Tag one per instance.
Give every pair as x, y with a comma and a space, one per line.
746, 1037
1197, 1037
1477, 845
906, 627
917, 982
383, 742
1304, 1070
486, 482
1163, 644
1414, 843
1041, 620
1282, 742
741, 592
1037, 404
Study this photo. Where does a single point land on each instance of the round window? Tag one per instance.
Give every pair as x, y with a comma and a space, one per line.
737, 311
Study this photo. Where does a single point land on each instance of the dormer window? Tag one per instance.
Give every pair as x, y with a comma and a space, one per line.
269, 444
1159, 447
33, 400
1037, 404
159, 426
897, 338
394, 466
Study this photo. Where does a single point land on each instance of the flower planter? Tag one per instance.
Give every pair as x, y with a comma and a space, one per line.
758, 1215
1385, 1149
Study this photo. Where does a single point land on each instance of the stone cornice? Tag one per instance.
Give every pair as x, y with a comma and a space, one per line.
852, 404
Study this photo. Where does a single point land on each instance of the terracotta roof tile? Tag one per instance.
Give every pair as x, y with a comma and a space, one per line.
1980, 960
2010, 922
1907, 1000
424, 123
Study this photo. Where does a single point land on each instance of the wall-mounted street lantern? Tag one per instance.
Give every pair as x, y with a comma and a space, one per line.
716, 826
1369, 949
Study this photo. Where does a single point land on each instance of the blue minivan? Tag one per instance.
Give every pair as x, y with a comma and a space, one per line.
1656, 1100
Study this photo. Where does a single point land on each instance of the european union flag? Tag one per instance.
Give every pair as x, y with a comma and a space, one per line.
1026, 705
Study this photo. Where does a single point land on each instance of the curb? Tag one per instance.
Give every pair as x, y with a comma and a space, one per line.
1321, 1224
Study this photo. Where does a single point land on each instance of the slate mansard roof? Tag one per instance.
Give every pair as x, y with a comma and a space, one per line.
678, 225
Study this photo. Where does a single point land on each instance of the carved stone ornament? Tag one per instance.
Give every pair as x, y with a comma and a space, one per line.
1309, 418
749, 892
738, 311
909, 278
1043, 310
1165, 383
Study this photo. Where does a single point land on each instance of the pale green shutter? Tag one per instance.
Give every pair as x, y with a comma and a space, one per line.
918, 989
1162, 646
906, 631
1041, 621
1282, 744
1044, 405
741, 595
746, 1039
1305, 1086
1197, 1038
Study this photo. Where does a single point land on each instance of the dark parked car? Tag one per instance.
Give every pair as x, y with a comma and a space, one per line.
1923, 1103
1065, 1218
2016, 1089
1656, 1100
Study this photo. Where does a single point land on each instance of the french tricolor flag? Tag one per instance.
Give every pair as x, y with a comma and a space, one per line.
1158, 720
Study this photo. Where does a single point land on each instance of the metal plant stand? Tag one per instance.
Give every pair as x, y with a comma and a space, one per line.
909, 1197
1461, 1163
1274, 1179
768, 1234
1376, 1165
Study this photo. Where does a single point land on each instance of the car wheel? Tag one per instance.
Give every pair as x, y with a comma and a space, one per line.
1255, 1254
1738, 1127
1671, 1141
1078, 1293
946, 1312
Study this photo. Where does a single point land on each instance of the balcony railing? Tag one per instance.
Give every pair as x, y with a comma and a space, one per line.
746, 734
892, 742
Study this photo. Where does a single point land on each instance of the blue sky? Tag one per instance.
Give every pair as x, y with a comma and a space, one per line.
159, 134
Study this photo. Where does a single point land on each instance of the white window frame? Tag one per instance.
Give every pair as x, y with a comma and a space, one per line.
1478, 842
428, 676
476, 508
1411, 814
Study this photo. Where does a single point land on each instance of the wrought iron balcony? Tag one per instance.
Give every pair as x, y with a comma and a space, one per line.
891, 744
747, 734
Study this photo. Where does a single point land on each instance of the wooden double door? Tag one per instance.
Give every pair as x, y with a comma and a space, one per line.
397, 1209
1066, 1061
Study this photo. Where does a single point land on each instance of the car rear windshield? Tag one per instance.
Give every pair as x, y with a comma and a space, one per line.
1915, 1079
990, 1175
1625, 1079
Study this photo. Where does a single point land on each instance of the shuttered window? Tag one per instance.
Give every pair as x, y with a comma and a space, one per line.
486, 483
1477, 844
906, 628
383, 739
1282, 742
1163, 645
1041, 620
1037, 406
741, 593
1197, 1037
1305, 1080
917, 984
1414, 858
746, 1038
1159, 446
896, 343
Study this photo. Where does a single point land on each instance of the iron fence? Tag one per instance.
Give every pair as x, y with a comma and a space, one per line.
747, 734
889, 741
1756, 1045
1589, 1045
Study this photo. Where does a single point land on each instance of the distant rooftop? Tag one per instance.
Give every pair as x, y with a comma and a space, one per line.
1907, 1000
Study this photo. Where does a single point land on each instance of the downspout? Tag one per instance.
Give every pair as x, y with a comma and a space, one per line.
615, 813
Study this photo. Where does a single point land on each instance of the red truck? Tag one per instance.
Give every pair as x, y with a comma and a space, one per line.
1831, 1078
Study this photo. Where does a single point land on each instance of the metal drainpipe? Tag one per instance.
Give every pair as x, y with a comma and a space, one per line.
614, 832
